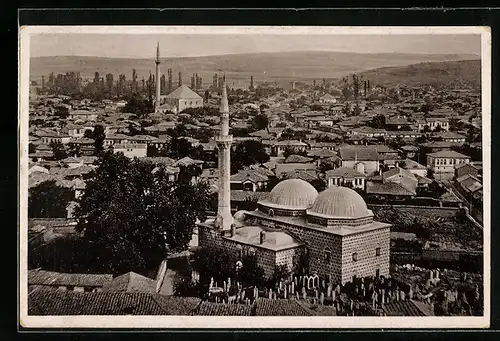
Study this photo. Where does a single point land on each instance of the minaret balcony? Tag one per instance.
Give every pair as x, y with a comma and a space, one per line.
224, 140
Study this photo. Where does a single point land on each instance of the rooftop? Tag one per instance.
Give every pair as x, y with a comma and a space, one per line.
449, 154
183, 92
57, 303
335, 230
51, 278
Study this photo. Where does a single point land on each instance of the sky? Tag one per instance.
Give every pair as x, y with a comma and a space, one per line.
183, 45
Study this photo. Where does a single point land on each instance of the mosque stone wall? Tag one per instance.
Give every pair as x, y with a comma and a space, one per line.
266, 259
317, 243
365, 246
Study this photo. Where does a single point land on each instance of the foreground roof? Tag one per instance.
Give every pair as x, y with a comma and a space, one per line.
57, 302
42, 277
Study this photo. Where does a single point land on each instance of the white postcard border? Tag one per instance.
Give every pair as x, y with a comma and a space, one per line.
181, 322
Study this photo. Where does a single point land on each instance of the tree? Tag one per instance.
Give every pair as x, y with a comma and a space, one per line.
48, 200
58, 150
251, 274
98, 135
133, 217
213, 263
346, 110
74, 150
356, 111
454, 123
319, 184
250, 152
260, 121
280, 272
138, 105
62, 112
378, 122
428, 105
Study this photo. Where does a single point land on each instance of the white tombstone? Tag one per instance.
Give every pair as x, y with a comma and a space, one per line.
293, 288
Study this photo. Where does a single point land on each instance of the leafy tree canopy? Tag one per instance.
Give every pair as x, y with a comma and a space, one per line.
48, 200
133, 216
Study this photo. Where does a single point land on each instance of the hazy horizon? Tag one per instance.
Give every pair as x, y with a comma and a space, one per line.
199, 45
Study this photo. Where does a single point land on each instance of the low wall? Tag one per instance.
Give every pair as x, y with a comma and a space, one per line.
428, 211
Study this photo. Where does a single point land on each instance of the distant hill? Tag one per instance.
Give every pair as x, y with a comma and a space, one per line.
464, 71
281, 67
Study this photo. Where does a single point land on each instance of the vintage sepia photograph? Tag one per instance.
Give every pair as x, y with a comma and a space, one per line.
285, 177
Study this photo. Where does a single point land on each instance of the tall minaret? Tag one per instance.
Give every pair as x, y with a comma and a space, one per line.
224, 218
157, 78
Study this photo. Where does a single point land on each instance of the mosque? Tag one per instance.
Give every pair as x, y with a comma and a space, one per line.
334, 229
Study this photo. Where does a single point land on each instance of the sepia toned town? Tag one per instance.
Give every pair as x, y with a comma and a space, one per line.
294, 183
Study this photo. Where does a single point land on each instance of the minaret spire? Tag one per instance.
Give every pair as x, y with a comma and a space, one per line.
158, 89
224, 218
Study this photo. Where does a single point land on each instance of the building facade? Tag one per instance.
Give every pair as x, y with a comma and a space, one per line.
445, 161
331, 235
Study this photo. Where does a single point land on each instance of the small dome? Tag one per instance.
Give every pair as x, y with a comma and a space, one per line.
341, 202
240, 215
239, 218
292, 193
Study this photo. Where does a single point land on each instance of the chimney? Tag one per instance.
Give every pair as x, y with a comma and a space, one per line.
262, 237
233, 230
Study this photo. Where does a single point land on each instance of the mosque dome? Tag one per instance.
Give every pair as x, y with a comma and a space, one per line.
293, 194
239, 218
340, 202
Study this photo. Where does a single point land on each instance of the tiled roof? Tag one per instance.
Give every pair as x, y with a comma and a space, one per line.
187, 161
406, 308
410, 164
409, 148
290, 143
131, 282
279, 307
440, 144
163, 160
42, 277
221, 309
298, 159
240, 195
449, 154
290, 167
142, 138
344, 172
449, 196
358, 153
390, 188
423, 180
249, 174
322, 153
57, 302
306, 175
382, 148
396, 171
183, 92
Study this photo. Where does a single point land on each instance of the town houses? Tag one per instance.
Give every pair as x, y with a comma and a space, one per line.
322, 186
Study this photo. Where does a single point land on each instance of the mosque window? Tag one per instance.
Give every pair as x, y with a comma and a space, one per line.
239, 249
251, 251
271, 212
377, 251
355, 257
328, 254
